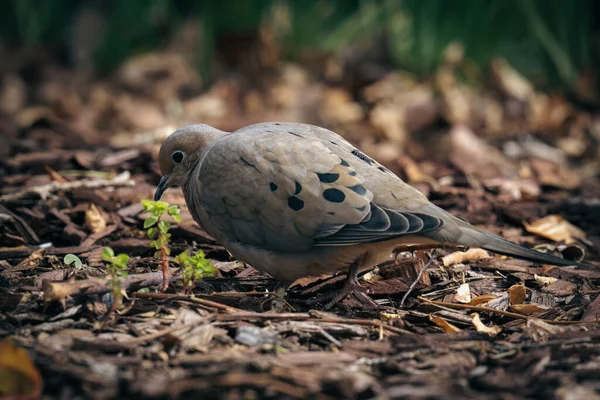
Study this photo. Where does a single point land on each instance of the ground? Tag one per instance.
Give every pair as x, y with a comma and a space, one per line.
79, 156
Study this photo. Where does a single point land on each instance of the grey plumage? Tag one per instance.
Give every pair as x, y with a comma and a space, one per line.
295, 200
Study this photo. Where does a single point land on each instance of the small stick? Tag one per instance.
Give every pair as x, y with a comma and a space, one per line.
123, 179
204, 302
61, 290
418, 278
500, 312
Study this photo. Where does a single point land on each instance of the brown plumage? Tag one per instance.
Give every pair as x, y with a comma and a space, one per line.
296, 200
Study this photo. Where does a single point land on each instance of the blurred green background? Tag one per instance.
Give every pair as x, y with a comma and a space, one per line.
554, 43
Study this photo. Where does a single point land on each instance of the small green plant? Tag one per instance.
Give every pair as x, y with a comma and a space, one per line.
73, 259
194, 268
158, 231
116, 268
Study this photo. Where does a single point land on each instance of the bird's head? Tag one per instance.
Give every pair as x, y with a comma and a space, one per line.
180, 153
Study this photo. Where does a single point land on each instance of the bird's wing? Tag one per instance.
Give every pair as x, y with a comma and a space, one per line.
283, 187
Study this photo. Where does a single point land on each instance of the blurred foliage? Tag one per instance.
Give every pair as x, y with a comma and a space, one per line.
551, 41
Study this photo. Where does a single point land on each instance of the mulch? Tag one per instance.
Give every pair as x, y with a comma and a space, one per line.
473, 326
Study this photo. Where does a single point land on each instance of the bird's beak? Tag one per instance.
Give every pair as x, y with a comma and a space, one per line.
162, 186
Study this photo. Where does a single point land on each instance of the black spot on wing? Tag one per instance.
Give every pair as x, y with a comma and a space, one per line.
383, 169
363, 156
334, 195
344, 163
298, 188
352, 173
359, 189
295, 203
328, 177
273, 186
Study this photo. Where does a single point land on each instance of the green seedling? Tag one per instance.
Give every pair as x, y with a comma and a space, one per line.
158, 231
194, 268
74, 260
116, 268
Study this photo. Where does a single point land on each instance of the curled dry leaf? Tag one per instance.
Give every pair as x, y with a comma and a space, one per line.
94, 220
544, 280
459, 257
445, 325
491, 331
484, 298
526, 308
517, 294
463, 293
555, 227
19, 378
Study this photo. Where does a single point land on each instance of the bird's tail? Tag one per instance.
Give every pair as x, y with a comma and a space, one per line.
460, 232
504, 247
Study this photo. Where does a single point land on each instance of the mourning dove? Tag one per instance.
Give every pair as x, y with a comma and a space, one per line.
296, 200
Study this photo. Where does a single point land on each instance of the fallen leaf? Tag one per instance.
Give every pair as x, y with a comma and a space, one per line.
18, 376
517, 293
484, 298
592, 311
544, 280
510, 81
445, 325
491, 331
474, 156
94, 220
555, 227
552, 174
459, 257
526, 308
560, 288
463, 293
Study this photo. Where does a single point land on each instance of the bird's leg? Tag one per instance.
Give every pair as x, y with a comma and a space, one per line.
352, 287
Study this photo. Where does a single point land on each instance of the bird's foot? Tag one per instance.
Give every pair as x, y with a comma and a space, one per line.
351, 288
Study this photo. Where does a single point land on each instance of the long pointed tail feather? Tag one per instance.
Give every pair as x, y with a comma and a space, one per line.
504, 247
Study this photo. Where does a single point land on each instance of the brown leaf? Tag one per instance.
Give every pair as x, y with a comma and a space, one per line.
18, 376
552, 174
526, 308
475, 157
94, 220
592, 312
459, 257
517, 293
445, 325
484, 298
491, 331
555, 227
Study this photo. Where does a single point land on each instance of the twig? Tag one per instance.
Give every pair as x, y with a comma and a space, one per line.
418, 278
61, 290
500, 312
204, 302
123, 179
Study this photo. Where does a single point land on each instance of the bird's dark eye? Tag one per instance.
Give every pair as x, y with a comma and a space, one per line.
177, 156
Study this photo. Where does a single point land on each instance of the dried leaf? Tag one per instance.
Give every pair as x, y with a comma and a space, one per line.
526, 308
511, 82
555, 227
459, 257
517, 293
94, 220
544, 280
445, 325
484, 298
18, 376
463, 293
491, 331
